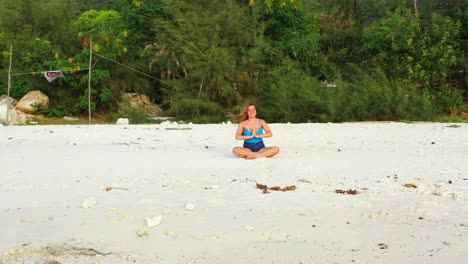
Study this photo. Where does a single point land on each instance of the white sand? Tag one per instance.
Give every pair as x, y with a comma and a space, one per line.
48, 172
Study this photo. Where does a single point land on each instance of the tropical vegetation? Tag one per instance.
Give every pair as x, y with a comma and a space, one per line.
298, 60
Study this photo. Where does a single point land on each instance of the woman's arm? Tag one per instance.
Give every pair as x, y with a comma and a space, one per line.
267, 130
239, 135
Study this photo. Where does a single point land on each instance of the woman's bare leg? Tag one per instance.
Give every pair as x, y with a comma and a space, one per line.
264, 152
242, 152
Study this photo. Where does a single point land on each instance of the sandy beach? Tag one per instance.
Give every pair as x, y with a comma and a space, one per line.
175, 193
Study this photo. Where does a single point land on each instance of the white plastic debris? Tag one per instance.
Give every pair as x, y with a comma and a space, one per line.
189, 206
153, 221
248, 228
122, 121
89, 202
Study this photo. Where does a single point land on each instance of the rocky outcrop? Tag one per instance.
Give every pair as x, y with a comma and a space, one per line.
140, 101
13, 101
9, 115
30, 102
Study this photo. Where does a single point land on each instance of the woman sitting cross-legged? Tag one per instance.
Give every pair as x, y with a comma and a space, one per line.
252, 130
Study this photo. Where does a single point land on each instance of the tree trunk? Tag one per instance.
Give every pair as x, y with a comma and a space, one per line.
201, 87
415, 2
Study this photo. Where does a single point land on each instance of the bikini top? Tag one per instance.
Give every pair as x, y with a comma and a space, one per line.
246, 132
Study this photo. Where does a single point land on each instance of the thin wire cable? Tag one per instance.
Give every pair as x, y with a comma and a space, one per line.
140, 72
128, 67
25, 73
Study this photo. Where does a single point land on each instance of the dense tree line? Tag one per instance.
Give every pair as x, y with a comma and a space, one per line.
300, 61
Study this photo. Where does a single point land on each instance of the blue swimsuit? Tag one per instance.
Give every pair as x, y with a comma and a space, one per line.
254, 144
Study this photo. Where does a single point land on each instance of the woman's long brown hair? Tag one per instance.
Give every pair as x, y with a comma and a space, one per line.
242, 116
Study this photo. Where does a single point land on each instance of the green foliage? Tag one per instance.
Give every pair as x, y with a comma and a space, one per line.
450, 101
438, 53
291, 96
206, 47
357, 97
292, 34
197, 110
136, 115
406, 51
453, 120
50, 112
392, 42
300, 60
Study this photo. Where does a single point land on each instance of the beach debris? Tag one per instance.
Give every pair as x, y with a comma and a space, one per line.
249, 228
349, 191
63, 250
440, 191
170, 233
153, 221
213, 187
52, 262
189, 207
304, 180
122, 121
410, 185
447, 243
222, 236
261, 186
289, 188
142, 232
30, 221
382, 246
266, 189
13, 252
377, 214
118, 143
108, 189
89, 202
178, 128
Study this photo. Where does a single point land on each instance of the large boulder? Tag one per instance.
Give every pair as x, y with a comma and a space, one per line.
13, 101
140, 101
30, 102
9, 115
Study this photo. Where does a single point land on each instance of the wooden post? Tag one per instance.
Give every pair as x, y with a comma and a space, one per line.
89, 81
415, 2
9, 71
9, 83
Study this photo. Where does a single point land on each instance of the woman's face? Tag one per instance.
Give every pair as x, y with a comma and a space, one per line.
251, 111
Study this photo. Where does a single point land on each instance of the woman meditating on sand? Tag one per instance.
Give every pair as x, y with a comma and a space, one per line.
252, 130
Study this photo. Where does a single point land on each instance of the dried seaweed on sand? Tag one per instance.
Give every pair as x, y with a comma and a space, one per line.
349, 191
266, 189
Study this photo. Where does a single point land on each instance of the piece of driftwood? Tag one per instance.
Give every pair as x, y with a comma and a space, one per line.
178, 128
